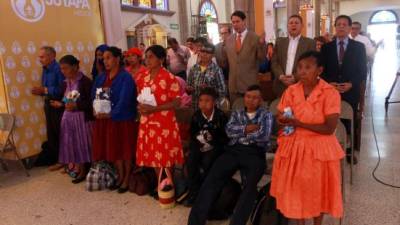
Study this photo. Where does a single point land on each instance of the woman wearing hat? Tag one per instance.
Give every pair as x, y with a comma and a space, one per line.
134, 58
205, 73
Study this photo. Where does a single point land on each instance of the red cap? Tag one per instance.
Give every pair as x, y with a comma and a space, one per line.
134, 51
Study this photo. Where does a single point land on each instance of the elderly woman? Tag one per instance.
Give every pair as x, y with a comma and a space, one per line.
114, 133
76, 125
134, 58
306, 171
205, 73
159, 143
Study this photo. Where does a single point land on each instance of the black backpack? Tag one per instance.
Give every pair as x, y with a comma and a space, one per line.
265, 212
224, 205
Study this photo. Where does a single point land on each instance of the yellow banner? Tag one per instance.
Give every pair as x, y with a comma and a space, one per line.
70, 26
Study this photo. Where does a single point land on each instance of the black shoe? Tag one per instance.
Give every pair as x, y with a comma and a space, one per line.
78, 180
182, 197
348, 159
114, 187
122, 190
154, 194
189, 201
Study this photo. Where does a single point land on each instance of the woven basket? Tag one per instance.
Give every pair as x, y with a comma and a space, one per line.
166, 198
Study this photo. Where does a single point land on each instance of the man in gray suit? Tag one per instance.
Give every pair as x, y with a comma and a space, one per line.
224, 33
243, 50
286, 53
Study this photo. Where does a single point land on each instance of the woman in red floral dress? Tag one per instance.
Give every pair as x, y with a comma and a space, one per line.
159, 143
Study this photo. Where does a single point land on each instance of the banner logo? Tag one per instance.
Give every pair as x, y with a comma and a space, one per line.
33, 10
29, 10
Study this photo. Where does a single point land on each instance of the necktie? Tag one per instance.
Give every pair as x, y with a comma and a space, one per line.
238, 42
341, 51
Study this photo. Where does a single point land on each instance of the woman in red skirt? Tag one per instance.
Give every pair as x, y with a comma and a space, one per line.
159, 143
114, 135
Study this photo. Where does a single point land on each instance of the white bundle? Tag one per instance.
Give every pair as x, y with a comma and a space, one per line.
73, 95
204, 137
146, 97
100, 105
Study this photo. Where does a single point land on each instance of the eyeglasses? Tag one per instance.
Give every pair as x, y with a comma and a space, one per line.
222, 33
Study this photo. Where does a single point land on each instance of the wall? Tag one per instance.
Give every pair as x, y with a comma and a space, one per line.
220, 6
20, 41
363, 17
129, 18
352, 7
282, 22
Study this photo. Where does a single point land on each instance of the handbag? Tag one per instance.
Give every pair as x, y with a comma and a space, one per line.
265, 211
142, 180
101, 176
166, 189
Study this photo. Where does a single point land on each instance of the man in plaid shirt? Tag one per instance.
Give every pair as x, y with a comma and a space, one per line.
249, 130
206, 73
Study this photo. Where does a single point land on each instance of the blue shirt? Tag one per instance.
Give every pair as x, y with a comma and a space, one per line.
345, 43
122, 95
53, 79
235, 128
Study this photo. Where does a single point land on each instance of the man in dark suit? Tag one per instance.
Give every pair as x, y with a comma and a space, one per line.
244, 50
345, 66
287, 51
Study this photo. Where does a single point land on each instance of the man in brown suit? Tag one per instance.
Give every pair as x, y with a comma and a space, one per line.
243, 50
286, 53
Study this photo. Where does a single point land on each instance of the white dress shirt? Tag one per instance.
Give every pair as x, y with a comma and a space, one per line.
291, 54
193, 60
369, 48
243, 35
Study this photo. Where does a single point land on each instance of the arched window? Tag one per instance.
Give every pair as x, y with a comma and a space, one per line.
145, 3
207, 9
162, 4
148, 4
383, 16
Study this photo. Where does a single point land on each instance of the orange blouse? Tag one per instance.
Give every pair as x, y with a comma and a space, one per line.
324, 100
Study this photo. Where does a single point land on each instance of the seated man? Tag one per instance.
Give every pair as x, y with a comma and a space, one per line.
208, 139
248, 131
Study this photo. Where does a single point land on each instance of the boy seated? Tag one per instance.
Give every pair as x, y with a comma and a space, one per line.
208, 139
248, 131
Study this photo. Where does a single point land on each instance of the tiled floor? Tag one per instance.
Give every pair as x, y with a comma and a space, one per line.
50, 198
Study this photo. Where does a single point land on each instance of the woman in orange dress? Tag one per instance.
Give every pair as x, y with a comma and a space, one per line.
306, 180
134, 58
159, 143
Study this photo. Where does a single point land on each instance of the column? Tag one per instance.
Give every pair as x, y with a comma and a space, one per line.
317, 17
292, 7
240, 5
183, 21
247, 6
337, 8
269, 20
228, 9
251, 16
330, 15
